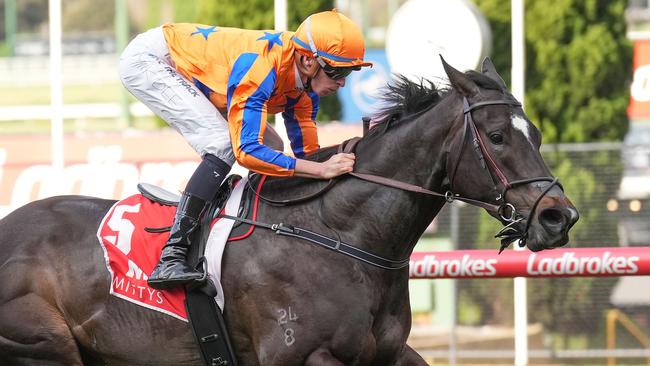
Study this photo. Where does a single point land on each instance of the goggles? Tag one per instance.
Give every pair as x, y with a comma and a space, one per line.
338, 73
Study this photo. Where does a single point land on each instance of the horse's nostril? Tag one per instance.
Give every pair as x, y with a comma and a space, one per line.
552, 219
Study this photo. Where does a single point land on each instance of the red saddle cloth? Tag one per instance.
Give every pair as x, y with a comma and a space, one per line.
131, 253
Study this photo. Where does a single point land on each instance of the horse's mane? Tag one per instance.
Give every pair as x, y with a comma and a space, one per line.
402, 98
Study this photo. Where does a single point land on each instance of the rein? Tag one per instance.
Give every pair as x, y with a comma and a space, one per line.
348, 147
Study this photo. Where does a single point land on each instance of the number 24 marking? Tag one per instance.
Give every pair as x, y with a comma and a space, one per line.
287, 316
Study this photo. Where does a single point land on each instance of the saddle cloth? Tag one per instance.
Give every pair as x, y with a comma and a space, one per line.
131, 253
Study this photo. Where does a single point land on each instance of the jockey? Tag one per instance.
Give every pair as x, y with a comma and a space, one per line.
216, 86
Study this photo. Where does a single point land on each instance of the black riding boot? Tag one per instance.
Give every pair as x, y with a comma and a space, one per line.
172, 270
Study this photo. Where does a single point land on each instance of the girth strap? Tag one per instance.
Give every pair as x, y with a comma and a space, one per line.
204, 317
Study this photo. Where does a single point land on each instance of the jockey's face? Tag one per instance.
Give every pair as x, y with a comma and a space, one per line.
323, 85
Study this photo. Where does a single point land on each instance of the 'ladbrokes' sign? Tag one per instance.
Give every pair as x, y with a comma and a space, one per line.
556, 263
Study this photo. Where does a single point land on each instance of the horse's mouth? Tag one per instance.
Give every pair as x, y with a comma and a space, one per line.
549, 229
536, 239
544, 242
513, 232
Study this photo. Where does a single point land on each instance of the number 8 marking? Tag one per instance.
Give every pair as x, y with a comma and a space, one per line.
289, 339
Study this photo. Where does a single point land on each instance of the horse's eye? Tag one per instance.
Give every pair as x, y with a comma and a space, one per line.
496, 138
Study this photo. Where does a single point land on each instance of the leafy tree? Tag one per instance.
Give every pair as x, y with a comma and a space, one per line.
87, 16
578, 66
30, 15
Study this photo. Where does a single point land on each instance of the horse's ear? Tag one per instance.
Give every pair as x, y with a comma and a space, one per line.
487, 68
460, 81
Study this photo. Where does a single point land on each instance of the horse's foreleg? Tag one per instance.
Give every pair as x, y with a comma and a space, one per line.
322, 357
410, 358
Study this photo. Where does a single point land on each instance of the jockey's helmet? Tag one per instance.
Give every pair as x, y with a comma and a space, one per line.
333, 39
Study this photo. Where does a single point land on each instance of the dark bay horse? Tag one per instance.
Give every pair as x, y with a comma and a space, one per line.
289, 302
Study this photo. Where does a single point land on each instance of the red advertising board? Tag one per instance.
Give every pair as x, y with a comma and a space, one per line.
564, 262
639, 107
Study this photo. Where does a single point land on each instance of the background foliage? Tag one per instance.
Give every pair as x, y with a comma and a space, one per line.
578, 66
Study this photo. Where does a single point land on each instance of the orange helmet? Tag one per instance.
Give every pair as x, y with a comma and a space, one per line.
331, 38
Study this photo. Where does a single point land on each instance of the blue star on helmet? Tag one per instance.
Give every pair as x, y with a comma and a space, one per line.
273, 38
205, 31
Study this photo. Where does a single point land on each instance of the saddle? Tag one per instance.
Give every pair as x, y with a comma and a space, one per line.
204, 316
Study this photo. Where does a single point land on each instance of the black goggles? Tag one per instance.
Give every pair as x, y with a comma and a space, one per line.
338, 73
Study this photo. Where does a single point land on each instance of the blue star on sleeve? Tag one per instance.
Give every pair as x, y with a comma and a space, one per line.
273, 38
205, 31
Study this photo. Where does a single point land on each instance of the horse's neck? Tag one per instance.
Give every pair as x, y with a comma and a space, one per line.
387, 220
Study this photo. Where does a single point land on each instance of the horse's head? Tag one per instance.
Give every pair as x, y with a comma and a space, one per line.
493, 156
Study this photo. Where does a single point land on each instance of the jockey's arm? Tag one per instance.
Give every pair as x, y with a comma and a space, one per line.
247, 114
299, 121
249, 89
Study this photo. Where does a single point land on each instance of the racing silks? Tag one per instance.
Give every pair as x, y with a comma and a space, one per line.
248, 74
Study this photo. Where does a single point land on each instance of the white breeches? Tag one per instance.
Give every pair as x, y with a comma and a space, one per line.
148, 72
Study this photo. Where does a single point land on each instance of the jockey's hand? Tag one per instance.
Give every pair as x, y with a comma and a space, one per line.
336, 165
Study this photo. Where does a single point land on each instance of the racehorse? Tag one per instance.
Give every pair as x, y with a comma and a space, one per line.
289, 302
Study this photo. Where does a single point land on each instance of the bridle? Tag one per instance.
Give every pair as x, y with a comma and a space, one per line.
506, 211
